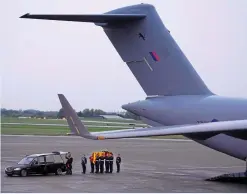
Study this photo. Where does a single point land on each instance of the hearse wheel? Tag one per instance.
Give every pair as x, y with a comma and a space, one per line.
23, 172
58, 171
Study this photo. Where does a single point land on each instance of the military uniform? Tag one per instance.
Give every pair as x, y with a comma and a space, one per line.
101, 162
97, 164
111, 158
118, 162
83, 164
107, 163
92, 164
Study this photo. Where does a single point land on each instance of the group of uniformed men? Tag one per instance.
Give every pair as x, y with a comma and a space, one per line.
101, 162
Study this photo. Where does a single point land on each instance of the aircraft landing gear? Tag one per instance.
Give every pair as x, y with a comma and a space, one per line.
240, 177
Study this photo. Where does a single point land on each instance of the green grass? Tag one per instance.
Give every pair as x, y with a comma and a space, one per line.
41, 130
23, 129
59, 121
55, 131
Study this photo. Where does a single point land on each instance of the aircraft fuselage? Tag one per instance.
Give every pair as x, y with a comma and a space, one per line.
181, 110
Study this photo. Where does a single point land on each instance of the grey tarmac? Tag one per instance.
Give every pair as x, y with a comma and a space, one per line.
148, 166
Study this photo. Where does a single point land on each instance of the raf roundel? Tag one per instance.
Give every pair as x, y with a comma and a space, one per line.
154, 56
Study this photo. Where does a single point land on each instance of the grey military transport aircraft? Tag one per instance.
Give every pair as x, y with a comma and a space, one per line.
178, 102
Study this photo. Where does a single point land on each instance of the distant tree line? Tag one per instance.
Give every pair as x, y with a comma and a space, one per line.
85, 113
59, 114
28, 113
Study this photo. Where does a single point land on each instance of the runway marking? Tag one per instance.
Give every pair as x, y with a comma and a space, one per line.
151, 172
10, 157
15, 143
174, 173
11, 160
147, 168
206, 167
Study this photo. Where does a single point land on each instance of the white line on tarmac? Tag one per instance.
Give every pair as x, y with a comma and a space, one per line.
9, 157
204, 167
175, 173
20, 143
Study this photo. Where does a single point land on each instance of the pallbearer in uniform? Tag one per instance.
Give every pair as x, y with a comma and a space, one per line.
97, 163
102, 158
107, 162
111, 158
92, 164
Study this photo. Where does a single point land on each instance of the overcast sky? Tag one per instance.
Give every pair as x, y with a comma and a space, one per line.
42, 58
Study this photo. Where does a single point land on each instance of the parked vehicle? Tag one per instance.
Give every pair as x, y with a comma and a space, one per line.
44, 163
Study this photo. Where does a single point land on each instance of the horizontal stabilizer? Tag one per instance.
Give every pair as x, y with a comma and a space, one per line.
95, 18
214, 127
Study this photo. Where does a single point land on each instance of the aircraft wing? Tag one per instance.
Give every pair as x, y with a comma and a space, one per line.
77, 128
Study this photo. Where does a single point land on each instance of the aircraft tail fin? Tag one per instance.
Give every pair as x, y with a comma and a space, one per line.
153, 56
147, 47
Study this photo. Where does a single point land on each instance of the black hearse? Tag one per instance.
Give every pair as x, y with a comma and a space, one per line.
39, 164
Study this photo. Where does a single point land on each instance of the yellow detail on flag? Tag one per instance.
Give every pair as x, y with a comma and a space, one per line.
100, 153
94, 157
94, 154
